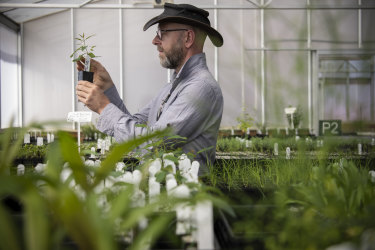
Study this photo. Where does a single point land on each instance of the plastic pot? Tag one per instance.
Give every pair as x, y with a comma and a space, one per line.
86, 76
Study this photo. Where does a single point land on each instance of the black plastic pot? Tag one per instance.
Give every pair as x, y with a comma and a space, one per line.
86, 76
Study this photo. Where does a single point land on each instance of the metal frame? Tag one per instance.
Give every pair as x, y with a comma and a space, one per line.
88, 5
72, 35
259, 5
20, 75
320, 106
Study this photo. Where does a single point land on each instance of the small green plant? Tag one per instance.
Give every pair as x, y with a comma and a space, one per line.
84, 48
297, 117
90, 130
245, 121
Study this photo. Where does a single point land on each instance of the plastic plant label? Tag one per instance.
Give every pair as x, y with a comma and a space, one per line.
287, 156
39, 141
81, 116
290, 110
87, 63
26, 138
276, 148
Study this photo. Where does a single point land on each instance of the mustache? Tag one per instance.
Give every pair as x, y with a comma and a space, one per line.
160, 49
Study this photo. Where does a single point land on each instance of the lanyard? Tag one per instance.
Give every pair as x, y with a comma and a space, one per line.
174, 85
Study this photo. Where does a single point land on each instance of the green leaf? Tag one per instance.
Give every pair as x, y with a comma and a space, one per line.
8, 233
9, 147
121, 203
134, 215
91, 55
152, 232
118, 153
69, 152
89, 37
36, 217
160, 176
73, 215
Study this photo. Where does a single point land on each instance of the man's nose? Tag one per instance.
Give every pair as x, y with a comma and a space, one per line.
156, 40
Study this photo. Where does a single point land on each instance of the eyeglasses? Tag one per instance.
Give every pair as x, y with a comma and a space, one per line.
160, 32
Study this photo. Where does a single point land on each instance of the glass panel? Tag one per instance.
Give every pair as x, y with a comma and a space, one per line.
286, 85
285, 29
8, 77
368, 34
47, 69
334, 29
346, 89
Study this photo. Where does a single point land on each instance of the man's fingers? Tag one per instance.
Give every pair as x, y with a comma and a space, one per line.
85, 85
80, 66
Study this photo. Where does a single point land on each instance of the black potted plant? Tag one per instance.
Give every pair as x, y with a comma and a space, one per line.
86, 52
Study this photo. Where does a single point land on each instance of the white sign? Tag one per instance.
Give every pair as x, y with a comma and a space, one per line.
39, 141
26, 138
82, 116
290, 110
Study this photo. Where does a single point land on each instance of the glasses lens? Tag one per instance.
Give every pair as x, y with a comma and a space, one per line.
158, 34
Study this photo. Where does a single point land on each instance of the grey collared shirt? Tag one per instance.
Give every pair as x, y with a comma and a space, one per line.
194, 111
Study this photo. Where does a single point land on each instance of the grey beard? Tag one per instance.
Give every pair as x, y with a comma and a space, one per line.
173, 59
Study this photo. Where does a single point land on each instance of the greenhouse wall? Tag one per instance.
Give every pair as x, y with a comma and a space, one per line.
9, 87
271, 59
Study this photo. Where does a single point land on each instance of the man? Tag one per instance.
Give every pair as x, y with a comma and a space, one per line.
192, 104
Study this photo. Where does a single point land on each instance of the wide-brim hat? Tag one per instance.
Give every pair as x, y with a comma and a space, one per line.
190, 15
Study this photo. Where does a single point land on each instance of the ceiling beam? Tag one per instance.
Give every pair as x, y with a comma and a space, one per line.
88, 5
9, 23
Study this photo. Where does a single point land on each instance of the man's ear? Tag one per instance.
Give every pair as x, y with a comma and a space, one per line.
190, 38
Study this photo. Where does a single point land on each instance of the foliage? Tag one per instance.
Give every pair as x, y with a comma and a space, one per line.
301, 203
30, 151
245, 121
297, 117
337, 145
84, 49
53, 212
334, 205
91, 132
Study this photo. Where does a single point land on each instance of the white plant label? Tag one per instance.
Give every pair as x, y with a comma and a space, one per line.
26, 138
287, 153
276, 148
81, 116
39, 141
290, 110
87, 63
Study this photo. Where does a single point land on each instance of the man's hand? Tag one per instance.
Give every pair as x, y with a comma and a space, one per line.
92, 96
101, 77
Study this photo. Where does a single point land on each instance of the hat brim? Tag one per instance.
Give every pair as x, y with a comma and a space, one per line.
213, 34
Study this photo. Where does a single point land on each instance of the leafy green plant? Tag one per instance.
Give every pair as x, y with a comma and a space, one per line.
30, 151
84, 48
89, 131
297, 117
245, 121
55, 212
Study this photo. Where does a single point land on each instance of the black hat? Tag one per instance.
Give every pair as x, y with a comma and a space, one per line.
187, 14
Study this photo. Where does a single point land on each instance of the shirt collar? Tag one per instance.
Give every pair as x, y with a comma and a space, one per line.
188, 66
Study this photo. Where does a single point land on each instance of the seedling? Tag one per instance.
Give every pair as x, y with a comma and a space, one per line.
84, 51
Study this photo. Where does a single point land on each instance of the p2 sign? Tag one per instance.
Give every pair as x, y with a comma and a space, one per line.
329, 127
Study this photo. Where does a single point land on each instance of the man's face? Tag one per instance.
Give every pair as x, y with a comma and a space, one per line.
170, 45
